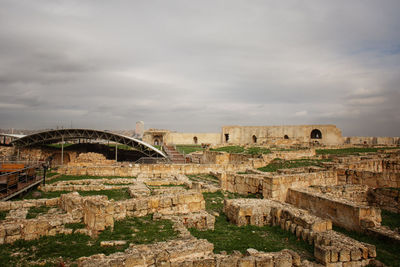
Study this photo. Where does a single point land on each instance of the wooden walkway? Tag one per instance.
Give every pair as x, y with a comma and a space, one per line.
16, 178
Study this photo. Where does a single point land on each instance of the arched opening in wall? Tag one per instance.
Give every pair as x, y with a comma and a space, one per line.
195, 140
254, 139
286, 136
226, 138
347, 140
156, 142
316, 134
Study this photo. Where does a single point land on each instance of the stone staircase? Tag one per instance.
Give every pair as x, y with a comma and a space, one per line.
173, 154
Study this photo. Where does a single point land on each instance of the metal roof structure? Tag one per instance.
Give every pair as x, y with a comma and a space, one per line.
55, 136
12, 136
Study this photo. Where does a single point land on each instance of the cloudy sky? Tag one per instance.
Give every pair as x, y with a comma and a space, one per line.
194, 66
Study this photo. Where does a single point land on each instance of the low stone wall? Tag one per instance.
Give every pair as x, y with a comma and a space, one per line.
262, 212
189, 252
342, 212
385, 198
290, 155
274, 185
387, 162
29, 229
330, 248
29, 203
371, 179
355, 193
186, 202
154, 169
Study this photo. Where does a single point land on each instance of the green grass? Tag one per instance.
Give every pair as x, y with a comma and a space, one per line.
70, 247
186, 149
35, 211
51, 174
215, 200
203, 178
158, 147
387, 252
229, 149
82, 177
228, 237
3, 215
257, 150
75, 226
277, 164
240, 149
116, 194
390, 219
351, 150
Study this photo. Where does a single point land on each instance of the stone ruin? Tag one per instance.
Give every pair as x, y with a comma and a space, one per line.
348, 192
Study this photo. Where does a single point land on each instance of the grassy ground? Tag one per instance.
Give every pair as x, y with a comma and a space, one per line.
350, 150
186, 149
388, 253
46, 251
116, 194
390, 219
203, 178
3, 215
51, 174
35, 211
240, 149
277, 164
82, 177
228, 237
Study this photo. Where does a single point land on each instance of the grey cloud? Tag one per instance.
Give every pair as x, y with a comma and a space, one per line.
195, 66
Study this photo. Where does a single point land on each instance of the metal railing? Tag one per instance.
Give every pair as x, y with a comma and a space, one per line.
15, 180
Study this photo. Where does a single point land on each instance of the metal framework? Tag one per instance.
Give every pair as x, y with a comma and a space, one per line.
55, 136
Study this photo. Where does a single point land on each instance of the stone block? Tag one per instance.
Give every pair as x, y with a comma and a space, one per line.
355, 254
322, 254
344, 255
248, 261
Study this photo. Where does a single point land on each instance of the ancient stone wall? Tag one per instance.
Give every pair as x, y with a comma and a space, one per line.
186, 202
330, 248
385, 198
355, 193
342, 212
244, 134
192, 138
154, 169
189, 252
274, 185
15, 205
91, 159
370, 140
371, 179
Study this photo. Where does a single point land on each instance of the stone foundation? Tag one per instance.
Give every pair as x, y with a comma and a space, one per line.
189, 252
275, 185
342, 212
330, 248
371, 179
385, 198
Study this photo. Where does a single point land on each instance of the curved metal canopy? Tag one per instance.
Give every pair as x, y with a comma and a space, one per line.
54, 136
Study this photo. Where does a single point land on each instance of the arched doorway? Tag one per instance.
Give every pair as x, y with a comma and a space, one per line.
156, 142
286, 136
316, 134
254, 139
195, 140
226, 137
